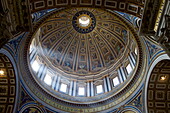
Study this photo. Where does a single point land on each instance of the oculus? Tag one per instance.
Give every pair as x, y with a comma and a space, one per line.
84, 21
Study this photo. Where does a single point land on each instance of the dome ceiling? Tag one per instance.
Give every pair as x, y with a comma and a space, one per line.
70, 48
82, 53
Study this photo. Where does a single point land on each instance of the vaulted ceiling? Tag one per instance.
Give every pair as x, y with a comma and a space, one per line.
158, 97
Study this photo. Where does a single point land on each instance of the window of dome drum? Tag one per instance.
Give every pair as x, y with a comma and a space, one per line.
84, 21
136, 51
48, 79
116, 81
35, 66
99, 89
31, 48
129, 68
81, 91
63, 88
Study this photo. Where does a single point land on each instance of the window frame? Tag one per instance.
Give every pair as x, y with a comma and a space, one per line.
50, 75
97, 89
84, 91
67, 88
117, 79
128, 73
37, 64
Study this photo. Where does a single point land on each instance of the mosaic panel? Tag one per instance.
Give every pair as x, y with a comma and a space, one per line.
7, 85
31, 110
137, 101
25, 98
158, 92
32, 107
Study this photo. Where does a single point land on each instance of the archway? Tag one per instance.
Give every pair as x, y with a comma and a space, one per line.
158, 94
7, 85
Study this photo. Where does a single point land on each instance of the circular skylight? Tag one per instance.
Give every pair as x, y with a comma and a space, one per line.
84, 21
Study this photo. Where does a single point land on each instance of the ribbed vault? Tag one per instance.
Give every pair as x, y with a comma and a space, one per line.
83, 53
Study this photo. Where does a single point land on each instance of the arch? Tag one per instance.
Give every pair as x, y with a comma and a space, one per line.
9, 81
32, 107
129, 109
157, 61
